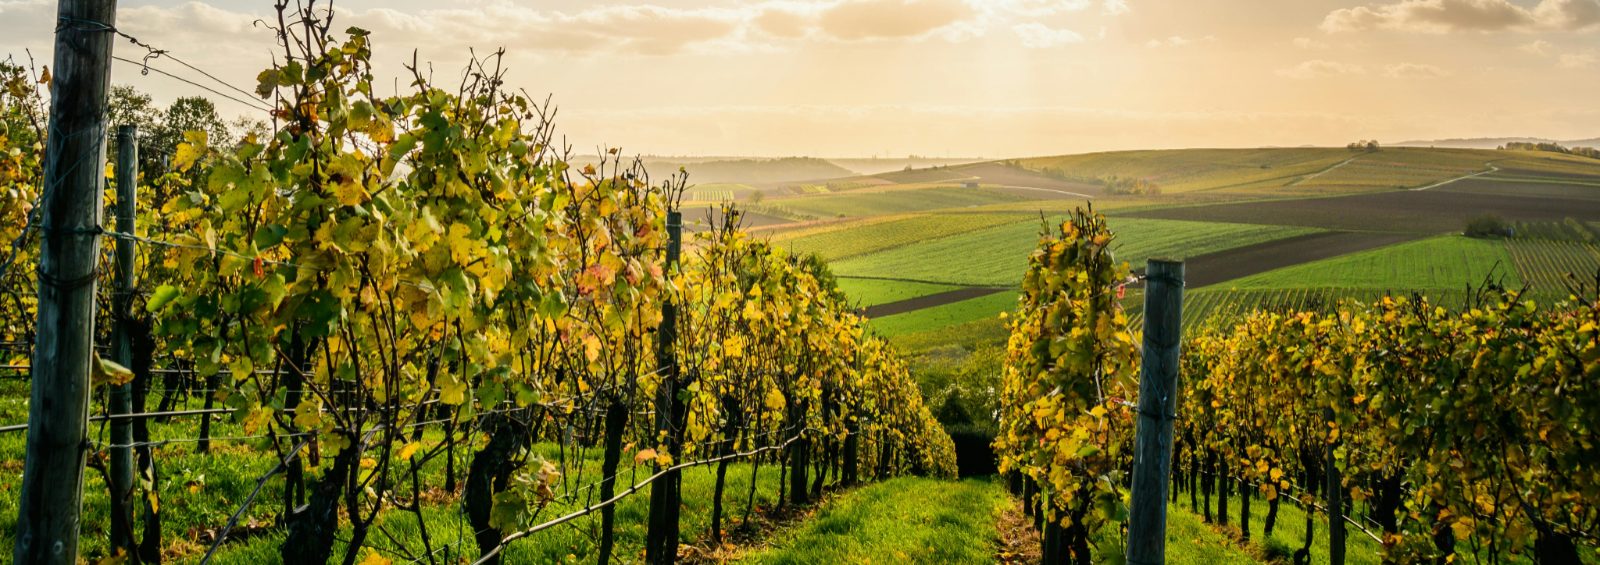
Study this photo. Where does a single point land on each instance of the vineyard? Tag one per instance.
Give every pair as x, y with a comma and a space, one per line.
1443, 434
389, 315
417, 334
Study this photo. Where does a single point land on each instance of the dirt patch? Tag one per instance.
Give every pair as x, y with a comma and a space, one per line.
1018, 540
1239, 262
929, 301
1444, 209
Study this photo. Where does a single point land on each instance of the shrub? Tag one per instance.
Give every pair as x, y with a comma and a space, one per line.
1488, 225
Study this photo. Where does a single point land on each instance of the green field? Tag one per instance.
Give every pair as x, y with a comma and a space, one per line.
1179, 171
999, 255
1445, 262
872, 292
854, 204
1555, 267
867, 236
717, 193
931, 319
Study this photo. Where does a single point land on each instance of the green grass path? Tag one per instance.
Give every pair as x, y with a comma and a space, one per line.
904, 520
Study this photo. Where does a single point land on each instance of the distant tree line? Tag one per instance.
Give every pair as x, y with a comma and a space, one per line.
1589, 152
161, 129
1120, 185
1368, 145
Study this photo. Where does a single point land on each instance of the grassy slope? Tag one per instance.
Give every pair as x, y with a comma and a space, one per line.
1189, 170
906, 520
891, 202
872, 292
1271, 170
998, 255
1445, 262
859, 238
1547, 264
929, 319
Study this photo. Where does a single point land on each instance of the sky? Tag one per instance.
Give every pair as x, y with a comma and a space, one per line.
947, 78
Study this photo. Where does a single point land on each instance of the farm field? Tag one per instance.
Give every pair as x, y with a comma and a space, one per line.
945, 315
859, 203
998, 255
1444, 262
860, 237
589, 292
1441, 210
1553, 267
873, 292
1180, 171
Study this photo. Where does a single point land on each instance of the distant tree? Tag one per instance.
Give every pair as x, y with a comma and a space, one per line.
192, 113
1488, 225
1129, 186
757, 196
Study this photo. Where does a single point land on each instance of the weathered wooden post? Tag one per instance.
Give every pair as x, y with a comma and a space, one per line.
1158, 404
672, 413
127, 174
74, 178
1335, 495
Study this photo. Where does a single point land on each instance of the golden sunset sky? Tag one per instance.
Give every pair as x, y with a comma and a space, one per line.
994, 78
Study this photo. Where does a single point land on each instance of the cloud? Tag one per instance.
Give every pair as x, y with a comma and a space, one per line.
1178, 41
1034, 8
1310, 44
1114, 7
1445, 16
1039, 36
1318, 68
1414, 71
1578, 60
1540, 47
855, 20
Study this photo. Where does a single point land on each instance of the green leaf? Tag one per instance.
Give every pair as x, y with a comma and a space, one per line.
162, 296
509, 508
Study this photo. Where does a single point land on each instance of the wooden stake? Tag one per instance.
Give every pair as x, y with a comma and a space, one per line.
74, 178
1158, 403
127, 175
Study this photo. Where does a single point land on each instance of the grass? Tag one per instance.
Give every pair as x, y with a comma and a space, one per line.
853, 204
905, 520
998, 256
857, 238
1554, 267
1399, 168
1444, 262
1287, 536
1190, 170
199, 492
1190, 541
717, 192
872, 292
986, 330
937, 317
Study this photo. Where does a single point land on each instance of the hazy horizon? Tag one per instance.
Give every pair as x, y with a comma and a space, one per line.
951, 78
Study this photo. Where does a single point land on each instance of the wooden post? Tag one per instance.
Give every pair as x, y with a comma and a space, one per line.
69, 249
661, 540
121, 486
1335, 495
1158, 403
